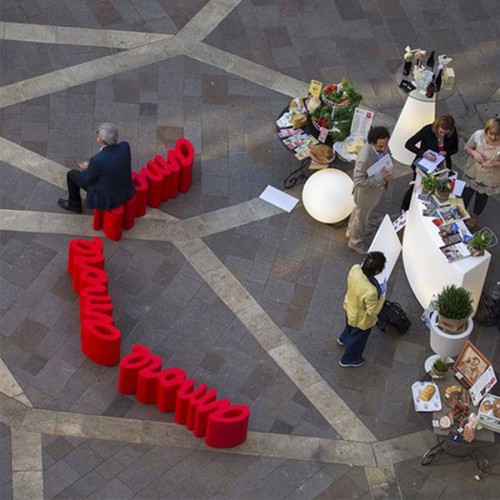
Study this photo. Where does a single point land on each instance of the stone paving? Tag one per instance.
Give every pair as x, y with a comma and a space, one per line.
241, 295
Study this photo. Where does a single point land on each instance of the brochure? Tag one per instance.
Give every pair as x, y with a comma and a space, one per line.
455, 211
455, 252
489, 412
287, 132
383, 165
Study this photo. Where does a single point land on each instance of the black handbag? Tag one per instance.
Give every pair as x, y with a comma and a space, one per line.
393, 314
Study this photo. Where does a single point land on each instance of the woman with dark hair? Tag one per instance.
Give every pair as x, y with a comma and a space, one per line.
362, 303
440, 136
482, 173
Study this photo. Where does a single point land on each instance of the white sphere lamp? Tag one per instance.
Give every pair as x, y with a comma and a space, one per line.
327, 196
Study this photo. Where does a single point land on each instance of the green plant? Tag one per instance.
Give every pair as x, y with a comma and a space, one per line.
443, 185
481, 240
454, 302
440, 365
429, 182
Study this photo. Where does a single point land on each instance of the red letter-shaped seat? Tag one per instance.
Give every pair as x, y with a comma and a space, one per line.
101, 342
175, 171
89, 276
169, 382
227, 427
92, 291
185, 154
129, 213
202, 402
185, 394
147, 381
83, 247
93, 309
81, 262
130, 365
202, 411
97, 219
141, 192
165, 168
112, 223
154, 176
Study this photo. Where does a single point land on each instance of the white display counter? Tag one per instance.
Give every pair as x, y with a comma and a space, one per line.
427, 269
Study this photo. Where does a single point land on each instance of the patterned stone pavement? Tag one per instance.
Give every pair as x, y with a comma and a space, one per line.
241, 295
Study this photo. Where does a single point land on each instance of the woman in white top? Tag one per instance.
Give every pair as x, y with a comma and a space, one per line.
482, 173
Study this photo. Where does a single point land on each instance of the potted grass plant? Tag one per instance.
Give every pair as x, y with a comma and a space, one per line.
443, 189
451, 323
439, 369
480, 241
429, 183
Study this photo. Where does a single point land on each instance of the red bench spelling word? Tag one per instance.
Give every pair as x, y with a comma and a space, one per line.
222, 424
100, 340
160, 180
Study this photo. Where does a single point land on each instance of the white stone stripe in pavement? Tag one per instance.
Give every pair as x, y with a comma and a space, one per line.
10, 387
267, 333
89, 71
264, 444
206, 20
33, 163
65, 35
27, 466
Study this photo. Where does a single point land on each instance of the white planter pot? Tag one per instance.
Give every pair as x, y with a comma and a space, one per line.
447, 345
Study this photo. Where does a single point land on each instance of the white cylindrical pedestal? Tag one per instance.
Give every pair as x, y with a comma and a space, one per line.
445, 344
413, 117
327, 195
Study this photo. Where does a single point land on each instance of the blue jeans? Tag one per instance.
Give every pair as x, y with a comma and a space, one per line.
355, 340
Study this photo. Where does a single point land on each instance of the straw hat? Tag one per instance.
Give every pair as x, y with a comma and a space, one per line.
320, 153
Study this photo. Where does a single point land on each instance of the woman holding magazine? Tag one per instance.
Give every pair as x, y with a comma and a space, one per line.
441, 137
482, 173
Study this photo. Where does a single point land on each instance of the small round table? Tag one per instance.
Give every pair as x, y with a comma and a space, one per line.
453, 444
417, 112
302, 172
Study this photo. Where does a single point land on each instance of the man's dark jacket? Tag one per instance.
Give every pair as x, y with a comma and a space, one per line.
109, 177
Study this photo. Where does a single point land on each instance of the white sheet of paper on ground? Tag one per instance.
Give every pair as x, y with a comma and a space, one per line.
386, 241
279, 198
458, 189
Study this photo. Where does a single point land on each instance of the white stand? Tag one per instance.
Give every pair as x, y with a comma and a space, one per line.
413, 117
427, 269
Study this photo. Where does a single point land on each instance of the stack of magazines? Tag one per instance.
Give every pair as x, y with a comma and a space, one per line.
452, 229
297, 140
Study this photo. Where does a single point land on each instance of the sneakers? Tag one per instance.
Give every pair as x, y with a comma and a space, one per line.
339, 342
354, 364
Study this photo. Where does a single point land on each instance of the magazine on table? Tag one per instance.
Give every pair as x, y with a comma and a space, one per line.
429, 206
455, 252
452, 213
287, 132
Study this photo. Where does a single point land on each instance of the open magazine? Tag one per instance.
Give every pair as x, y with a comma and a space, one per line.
455, 252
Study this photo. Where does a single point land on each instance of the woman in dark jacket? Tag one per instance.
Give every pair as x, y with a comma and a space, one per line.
440, 136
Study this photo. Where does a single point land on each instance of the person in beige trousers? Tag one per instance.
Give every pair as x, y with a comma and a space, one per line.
367, 189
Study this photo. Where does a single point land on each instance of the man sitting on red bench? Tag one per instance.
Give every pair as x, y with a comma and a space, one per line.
107, 178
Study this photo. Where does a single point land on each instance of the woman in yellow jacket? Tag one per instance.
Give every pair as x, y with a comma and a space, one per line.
362, 303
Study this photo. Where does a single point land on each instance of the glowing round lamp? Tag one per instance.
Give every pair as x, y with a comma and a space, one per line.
327, 196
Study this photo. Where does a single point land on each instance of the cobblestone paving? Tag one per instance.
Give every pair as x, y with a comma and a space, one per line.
241, 295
